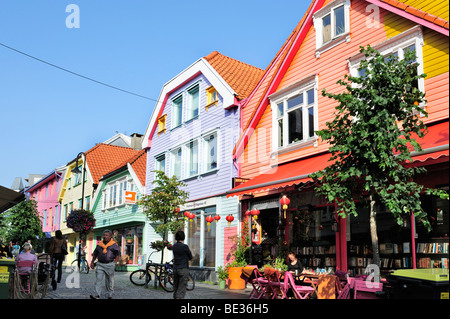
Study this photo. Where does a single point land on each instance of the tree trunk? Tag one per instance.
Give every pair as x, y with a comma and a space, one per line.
373, 232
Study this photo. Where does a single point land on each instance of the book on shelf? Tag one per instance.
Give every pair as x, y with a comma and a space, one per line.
432, 248
406, 248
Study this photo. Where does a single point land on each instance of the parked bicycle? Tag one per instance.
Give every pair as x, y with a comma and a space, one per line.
84, 265
166, 279
155, 274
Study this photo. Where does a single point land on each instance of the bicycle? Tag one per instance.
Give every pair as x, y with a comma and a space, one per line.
84, 265
166, 279
145, 276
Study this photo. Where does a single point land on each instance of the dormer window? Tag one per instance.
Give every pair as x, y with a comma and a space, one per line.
211, 97
332, 25
162, 124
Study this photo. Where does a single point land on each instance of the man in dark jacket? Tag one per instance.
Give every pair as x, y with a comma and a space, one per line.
107, 252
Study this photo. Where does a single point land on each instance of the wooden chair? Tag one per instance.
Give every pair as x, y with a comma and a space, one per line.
274, 288
300, 292
368, 289
326, 287
259, 284
23, 275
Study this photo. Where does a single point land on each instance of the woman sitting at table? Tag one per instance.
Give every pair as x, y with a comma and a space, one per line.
294, 264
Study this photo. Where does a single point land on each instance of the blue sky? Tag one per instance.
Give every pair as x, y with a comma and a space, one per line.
48, 116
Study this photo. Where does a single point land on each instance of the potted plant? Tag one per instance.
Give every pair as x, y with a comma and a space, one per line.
222, 274
235, 267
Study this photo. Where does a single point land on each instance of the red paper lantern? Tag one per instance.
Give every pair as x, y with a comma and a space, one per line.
255, 214
209, 220
191, 217
229, 219
247, 213
176, 210
217, 218
284, 201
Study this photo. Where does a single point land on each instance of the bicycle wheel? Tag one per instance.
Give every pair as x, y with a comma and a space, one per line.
191, 283
84, 267
166, 281
138, 277
74, 265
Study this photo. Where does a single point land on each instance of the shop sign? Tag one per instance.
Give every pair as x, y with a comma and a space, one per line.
199, 204
238, 181
130, 197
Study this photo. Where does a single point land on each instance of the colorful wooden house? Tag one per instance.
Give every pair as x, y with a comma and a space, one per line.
115, 208
97, 161
278, 148
191, 134
45, 192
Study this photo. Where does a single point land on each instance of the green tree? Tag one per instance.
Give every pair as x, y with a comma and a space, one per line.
371, 138
160, 206
23, 223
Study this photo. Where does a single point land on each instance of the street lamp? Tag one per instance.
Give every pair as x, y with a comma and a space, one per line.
76, 170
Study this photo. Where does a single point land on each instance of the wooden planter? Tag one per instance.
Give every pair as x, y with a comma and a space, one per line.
234, 278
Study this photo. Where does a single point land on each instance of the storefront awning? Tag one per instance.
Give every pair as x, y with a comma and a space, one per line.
283, 175
9, 198
435, 150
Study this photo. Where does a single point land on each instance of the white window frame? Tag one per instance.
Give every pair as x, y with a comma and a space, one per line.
114, 199
318, 26
174, 124
189, 107
187, 159
157, 162
282, 97
204, 151
173, 155
397, 45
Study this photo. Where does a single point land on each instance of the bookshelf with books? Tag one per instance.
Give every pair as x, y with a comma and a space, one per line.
319, 256
433, 253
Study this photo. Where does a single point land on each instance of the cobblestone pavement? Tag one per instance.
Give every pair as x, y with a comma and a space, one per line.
124, 289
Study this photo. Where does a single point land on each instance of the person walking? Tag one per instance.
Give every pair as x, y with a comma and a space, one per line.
182, 254
107, 252
58, 251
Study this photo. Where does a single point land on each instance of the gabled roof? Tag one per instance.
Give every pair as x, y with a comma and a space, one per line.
279, 65
137, 161
430, 14
102, 158
240, 76
233, 80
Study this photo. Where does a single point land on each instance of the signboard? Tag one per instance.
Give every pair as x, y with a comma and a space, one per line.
130, 197
238, 181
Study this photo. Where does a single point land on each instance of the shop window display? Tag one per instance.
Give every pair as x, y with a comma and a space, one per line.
130, 241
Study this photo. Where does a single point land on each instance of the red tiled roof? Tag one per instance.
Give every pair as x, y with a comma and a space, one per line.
137, 161
402, 5
102, 158
241, 77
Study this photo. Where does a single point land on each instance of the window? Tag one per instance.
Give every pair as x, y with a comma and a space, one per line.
201, 239
295, 116
175, 167
113, 194
397, 46
66, 212
160, 163
77, 176
162, 124
193, 102
192, 159
211, 97
177, 111
87, 201
332, 22
210, 152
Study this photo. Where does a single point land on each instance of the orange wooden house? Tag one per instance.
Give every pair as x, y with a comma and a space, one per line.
278, 148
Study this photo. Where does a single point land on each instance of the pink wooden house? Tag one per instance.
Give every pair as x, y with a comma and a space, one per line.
45, 192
